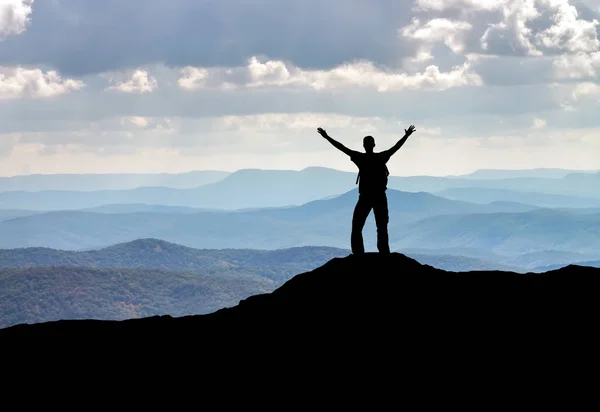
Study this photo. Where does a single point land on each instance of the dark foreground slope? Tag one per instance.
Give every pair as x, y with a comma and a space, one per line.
374, 300
357, 331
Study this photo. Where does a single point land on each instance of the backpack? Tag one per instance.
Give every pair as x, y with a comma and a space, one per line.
387, 173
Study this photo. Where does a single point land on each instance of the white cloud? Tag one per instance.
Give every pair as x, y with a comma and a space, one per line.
513, 31
140, 82
577, 66
451, 33
305, 122
14, 16
585, 89
526, 27
568, 32
539, 123
271, 73
20, 82
192, 77
139, 121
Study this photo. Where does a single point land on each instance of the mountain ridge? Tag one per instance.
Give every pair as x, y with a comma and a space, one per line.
252, 188
417, 220
356, 299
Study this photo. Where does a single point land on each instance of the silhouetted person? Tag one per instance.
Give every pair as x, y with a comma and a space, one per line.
372, 183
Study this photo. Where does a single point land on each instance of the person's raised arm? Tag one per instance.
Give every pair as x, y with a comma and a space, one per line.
335, 143
398, 145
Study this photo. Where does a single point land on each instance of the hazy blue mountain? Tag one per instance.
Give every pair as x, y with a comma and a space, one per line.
403, 207
52, 200
141, 207
485, 195
551, 173
505, 233
6, 214
462, 226
574, 184
242, 189
109, 181
323, 222
583, 210
251, 189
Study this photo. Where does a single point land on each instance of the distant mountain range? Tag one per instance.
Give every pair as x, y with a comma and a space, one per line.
110, 181
505, 233
487, 195
487, 219
7, 214
193, 179
418, 221
318, 223
276, 188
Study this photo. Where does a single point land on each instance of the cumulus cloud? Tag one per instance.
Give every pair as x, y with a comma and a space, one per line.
539, 123
271, 73
585, 89
521, 27
568, 32
14, 16
451, 33
139, 121
512, 32
509, 41
577, 66
140, 82
20, 82
192, 78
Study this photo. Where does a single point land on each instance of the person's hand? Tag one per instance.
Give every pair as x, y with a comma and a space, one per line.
322, 132
410, 130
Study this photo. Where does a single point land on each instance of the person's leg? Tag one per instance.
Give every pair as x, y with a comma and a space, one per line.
361, 212
380, 209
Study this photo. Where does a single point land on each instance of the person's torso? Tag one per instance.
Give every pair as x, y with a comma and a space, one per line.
373, 173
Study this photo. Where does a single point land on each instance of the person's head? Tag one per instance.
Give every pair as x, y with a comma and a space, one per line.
368, 143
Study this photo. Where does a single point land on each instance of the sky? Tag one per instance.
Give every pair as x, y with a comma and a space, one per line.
154, 86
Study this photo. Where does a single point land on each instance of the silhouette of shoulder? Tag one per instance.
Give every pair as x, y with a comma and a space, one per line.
362, 158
